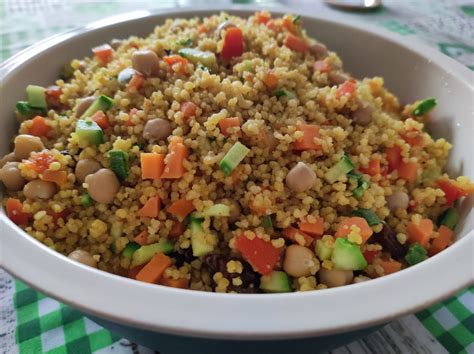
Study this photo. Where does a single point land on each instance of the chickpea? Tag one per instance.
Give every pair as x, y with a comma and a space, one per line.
86, 167
7, 158
300, 178
83, 105
146, 61
11, 176
319, 50
102, 186
398, 200
38, 189
25, 144
336, 78
115, 43
83, 257
157, 129
299, 261
363, 115
334, 277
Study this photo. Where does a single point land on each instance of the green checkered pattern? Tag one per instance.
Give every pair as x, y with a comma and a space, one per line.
47, 326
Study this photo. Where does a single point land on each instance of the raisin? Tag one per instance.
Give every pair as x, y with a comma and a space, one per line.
388, 240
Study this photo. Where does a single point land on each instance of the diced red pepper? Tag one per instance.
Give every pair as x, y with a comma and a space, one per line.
272, 25
347, 88
52, 95
259, 253
370, 255
15, 212
101, 119
233, 43
408, 171
372, 169
394, 157
413, 137
262, 17
177, 230
103, 53
291, 234
451, 192
136, 81
40, 162
188, 109
177, 59
322, 66
296, 43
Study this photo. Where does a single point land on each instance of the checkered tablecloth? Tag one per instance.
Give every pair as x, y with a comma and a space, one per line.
30, 322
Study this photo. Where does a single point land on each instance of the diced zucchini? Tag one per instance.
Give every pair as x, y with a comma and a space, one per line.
130, 249
275, 282
88, 132
371, 218
449, 218
26, 111
118, 160
36, 96
283, 92
416, 254
145, 253
347, 256
86, 200
424, 107
343, 167
267, 222
196, 56
323, 249
233, 157
214, 210
202, 243
102, 103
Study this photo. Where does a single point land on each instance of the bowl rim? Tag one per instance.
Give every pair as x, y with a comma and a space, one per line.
253, 316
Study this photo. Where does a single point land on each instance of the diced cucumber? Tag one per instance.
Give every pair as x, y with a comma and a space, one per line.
89, 132
340, 169
214, 210
323, 249
416, 254
267, 222
449, 218
102, 103
196, 56
233, 157
202, 243
86, 200
347, 256
371, 218
130, 249
36, 96
118, 160
283, 92
145, 253
275, 282
26, 111
424, 106
431, 173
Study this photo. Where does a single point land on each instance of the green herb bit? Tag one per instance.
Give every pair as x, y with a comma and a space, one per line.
416, 254
424, 107
371, 218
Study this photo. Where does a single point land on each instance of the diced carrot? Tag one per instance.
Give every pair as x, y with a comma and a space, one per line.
57, 176
151, 208
394, 157
261, 254
177, 230
408, 171
181, 208
390, 266
296, 43
370, 255
262, 17
15, 212
136, 81
271, 24
142, 238
152, 165
413, 137
101, 119
177, 59
227, 123
153, 270
347, 88
188, 109
291, 234
270, 80
53, 91
132, 272
322, 66
181, 283
202, 29
288, 23
233, 43
314, 229
103, 53
421, 232
236, 173
40, 161
345, 225
174, 160
39, 126
451, 191
372, 169
445, 237
310, 131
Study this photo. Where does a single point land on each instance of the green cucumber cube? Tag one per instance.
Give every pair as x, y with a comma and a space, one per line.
347, 256
145, 253
89, 132
36, 96
275, 282
233, 157
102, 103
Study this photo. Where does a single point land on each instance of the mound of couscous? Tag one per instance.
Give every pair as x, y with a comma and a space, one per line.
233, 155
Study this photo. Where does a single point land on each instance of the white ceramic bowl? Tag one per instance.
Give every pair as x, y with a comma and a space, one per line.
411, 70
